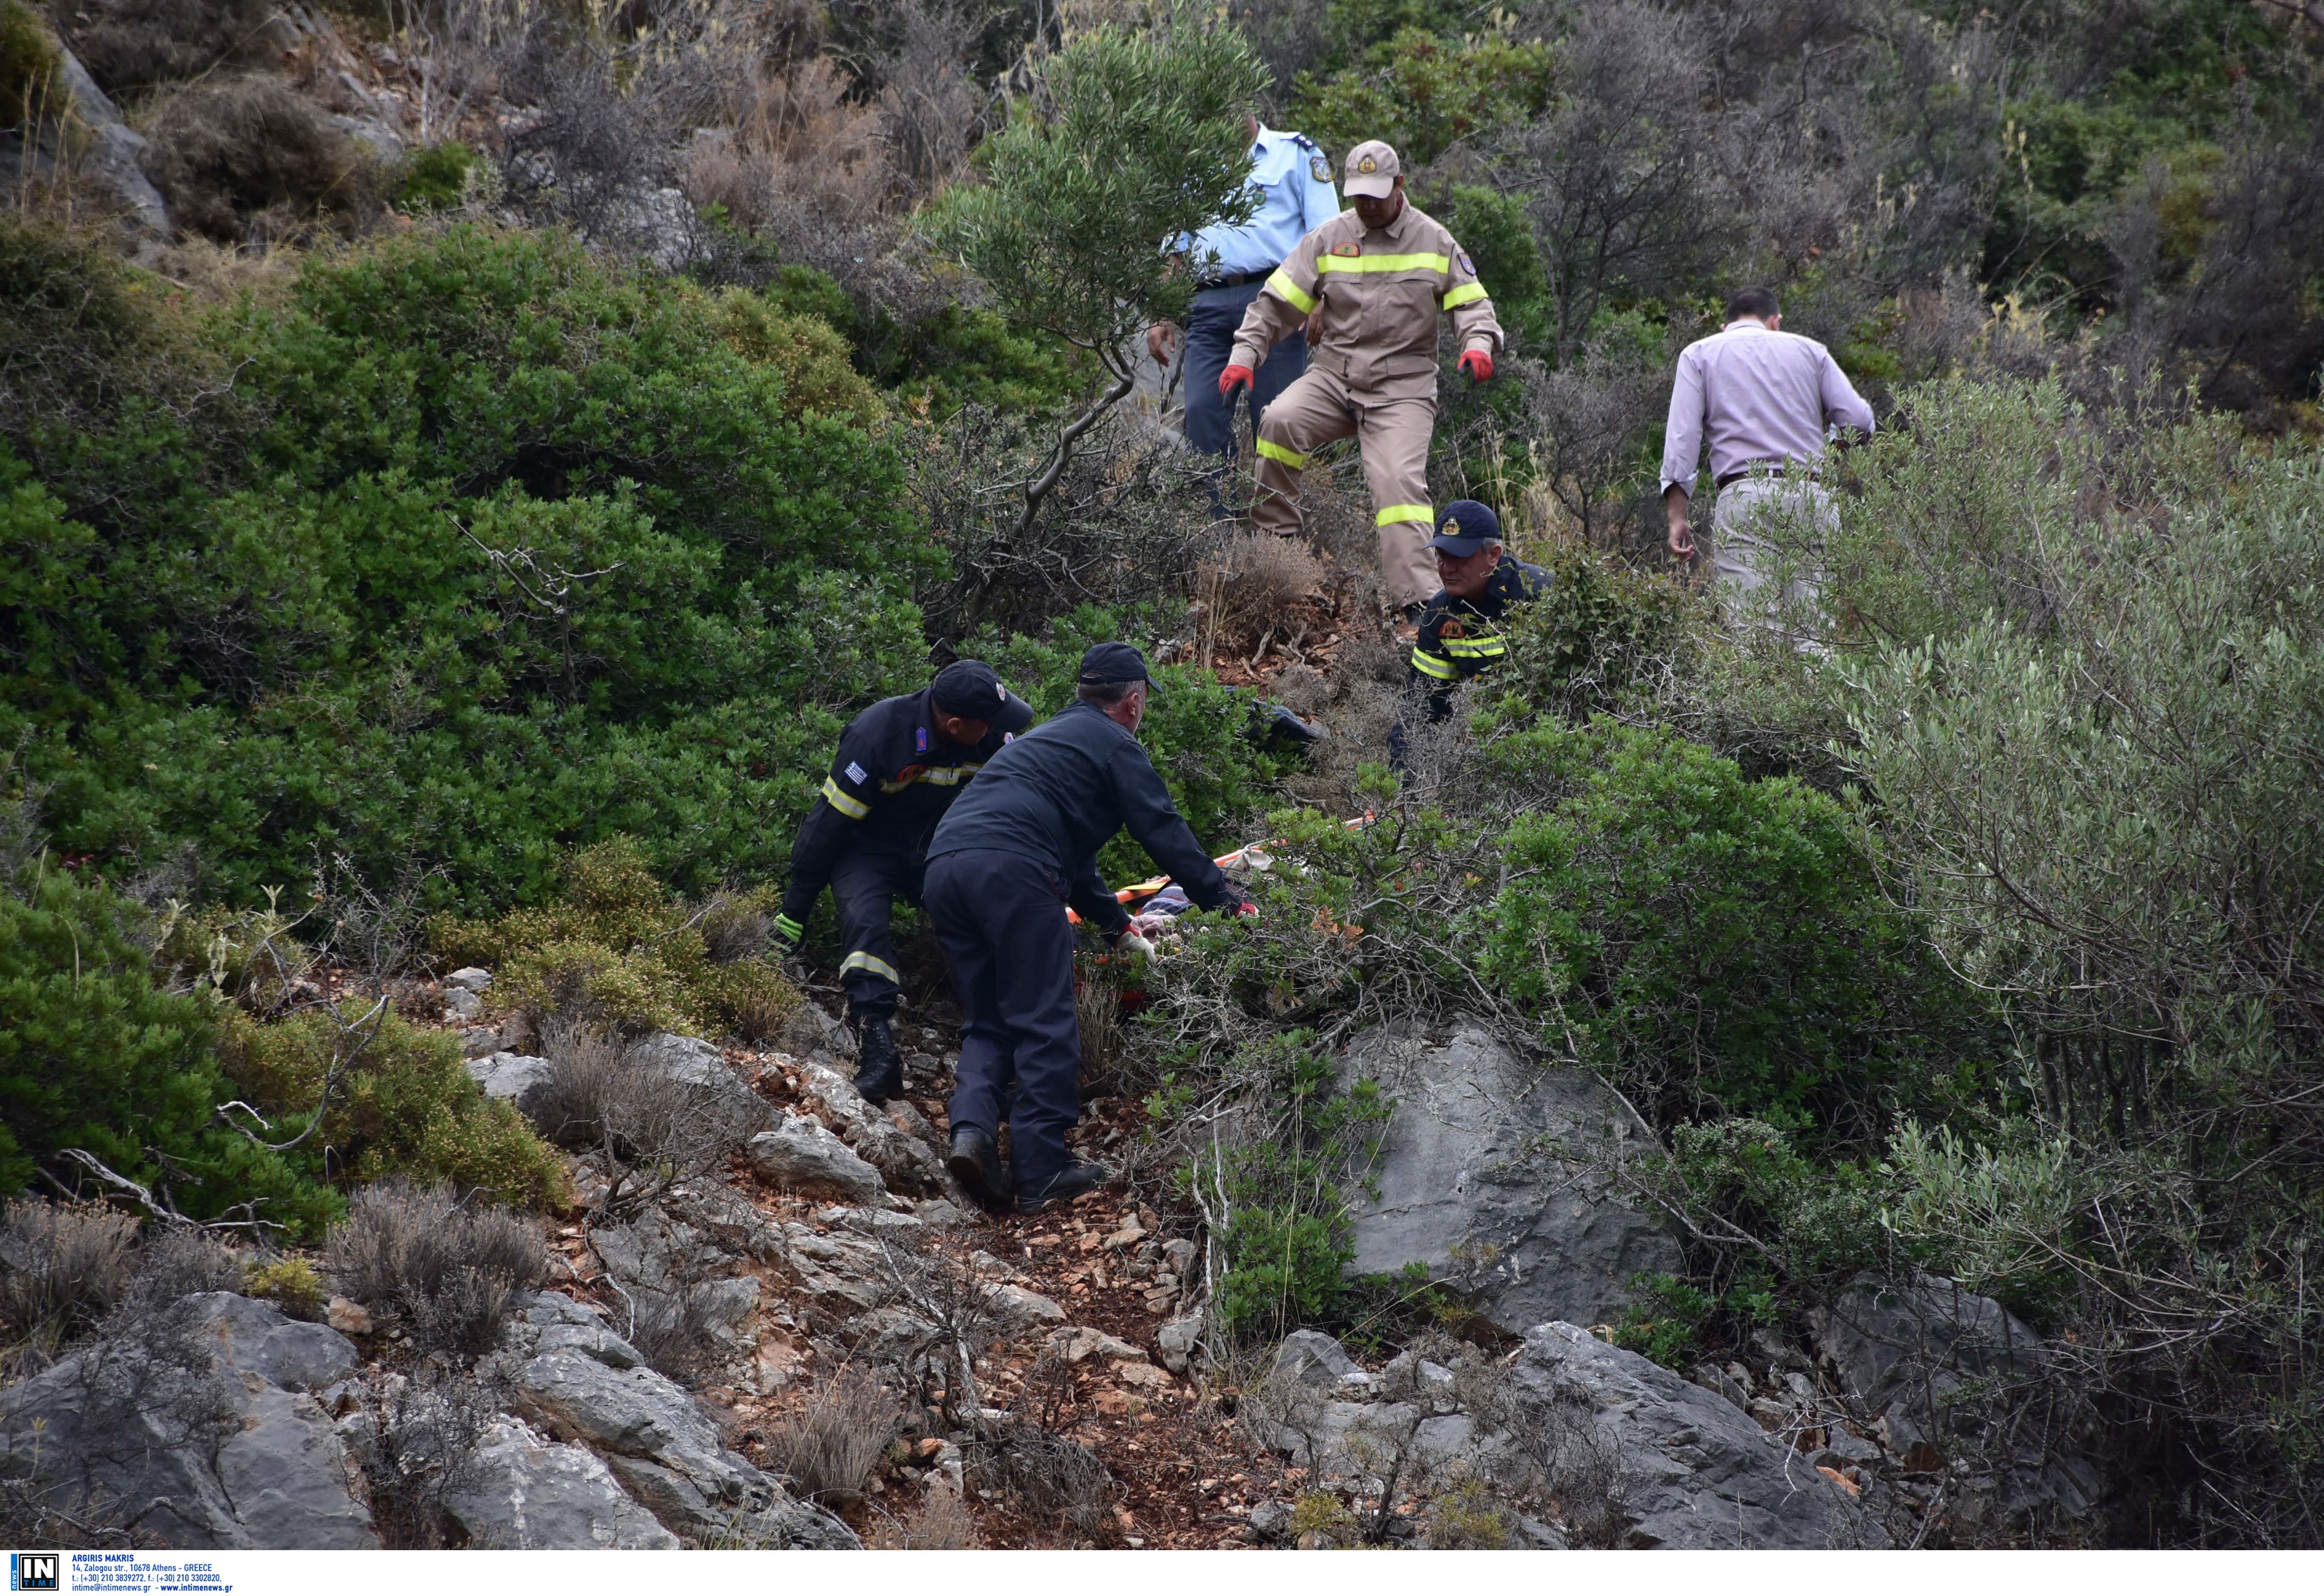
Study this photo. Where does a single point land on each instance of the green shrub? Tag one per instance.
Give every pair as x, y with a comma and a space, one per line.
810, 355
406, 1105
28, 68
1715, 944
435, 178
96, 1055
290, 1282
506, 550
1422, 92
615, 948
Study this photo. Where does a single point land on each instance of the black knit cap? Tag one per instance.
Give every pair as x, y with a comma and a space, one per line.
1467, 526
1113, 662
971, 690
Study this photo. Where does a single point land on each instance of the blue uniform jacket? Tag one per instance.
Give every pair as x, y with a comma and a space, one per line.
891, 782
1295, 197
1060, 791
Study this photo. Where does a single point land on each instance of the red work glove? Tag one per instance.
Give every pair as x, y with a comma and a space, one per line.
1478, 365
1246, 907
1235, 376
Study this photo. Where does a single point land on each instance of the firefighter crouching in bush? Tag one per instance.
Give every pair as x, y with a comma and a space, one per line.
901, 765
1460, 629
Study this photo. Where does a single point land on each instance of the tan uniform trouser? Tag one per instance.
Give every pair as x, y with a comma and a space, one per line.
1752, 516
1393, 434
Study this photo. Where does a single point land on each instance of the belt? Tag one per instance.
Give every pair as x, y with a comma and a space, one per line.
1737, 476
1234, 279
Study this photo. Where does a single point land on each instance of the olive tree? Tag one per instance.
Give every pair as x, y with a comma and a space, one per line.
1126, 140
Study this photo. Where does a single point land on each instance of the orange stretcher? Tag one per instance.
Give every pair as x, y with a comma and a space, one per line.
1249, 853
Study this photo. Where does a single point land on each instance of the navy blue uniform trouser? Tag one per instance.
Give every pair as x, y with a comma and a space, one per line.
865, 884
1209, 338
1001, 919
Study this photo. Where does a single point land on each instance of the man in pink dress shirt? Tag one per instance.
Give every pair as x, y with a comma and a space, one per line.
1767, 401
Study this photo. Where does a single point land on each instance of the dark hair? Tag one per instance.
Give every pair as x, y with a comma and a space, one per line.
1758, 302
1105, 694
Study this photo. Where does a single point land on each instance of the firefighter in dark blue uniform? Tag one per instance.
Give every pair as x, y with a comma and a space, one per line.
901, 765
1008, 858
1460, 627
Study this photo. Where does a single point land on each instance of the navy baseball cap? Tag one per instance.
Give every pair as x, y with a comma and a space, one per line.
1113, 662
971, 690
1468, 527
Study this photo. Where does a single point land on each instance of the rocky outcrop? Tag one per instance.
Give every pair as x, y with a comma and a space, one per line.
196, 1427
801, 1155
667, 1454
906, 1162
1951, 1376
526, 1493
1467, 1182
107, 151
518, 1078
1683, 1467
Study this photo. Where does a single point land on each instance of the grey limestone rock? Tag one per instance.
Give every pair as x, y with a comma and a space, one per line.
199, 1426
802, 1154
1312, 1358
117, 154
1468, 1185
472, 977
905, 1162
524, 1492
1695, 1470
1948, 1373
666, 1453
517, 1077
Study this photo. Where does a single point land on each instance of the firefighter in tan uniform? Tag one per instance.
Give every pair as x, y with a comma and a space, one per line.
1368, 285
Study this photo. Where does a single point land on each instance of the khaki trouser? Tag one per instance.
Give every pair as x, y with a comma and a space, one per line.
1393, 433
1744, 550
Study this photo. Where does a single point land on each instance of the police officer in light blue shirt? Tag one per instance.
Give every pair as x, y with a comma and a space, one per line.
1231, 264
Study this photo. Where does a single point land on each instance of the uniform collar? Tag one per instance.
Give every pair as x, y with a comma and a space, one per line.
1395, 230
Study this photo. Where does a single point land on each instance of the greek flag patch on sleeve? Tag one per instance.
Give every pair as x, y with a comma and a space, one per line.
856, 772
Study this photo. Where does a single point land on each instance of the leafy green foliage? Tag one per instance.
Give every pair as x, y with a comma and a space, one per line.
1286, 1230
404, 1104
435, 178
616, 950
1716, 944
525, 551
28, 67
96, 1055
1424, 94
1498, 236
1133, 138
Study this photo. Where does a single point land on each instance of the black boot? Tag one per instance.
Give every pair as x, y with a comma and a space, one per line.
1064, 1187
879, 1067
975, 1163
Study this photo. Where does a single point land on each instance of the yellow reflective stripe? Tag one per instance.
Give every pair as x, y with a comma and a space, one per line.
1428, 664
878, 966
855, 809
1382, 263
1392, 513
1473, 648
1465, 294
936, 775
1304, 303
1275, 451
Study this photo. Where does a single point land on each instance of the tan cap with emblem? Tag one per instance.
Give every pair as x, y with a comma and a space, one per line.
1372, 171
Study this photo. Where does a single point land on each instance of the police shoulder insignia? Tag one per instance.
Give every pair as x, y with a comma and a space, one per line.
1347, 249
1319, 169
